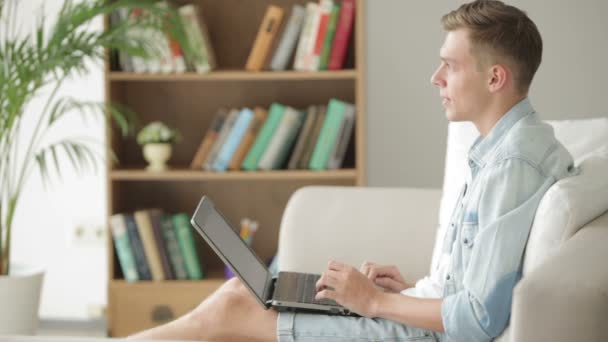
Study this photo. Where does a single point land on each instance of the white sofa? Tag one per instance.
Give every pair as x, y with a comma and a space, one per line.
563, 295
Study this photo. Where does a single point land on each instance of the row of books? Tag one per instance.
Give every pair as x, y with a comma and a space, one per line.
281, 137
315, 37
320, 30
155, 246
173, 58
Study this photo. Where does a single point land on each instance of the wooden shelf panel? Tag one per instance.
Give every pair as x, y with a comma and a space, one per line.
235, 75
183, 174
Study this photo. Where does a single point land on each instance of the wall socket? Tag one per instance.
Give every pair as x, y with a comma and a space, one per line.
87, 235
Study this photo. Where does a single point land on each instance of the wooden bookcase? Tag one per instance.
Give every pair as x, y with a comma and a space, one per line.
188, 102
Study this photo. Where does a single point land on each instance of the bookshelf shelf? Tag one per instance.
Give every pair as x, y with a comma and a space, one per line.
188, 102
235, 75
184, 174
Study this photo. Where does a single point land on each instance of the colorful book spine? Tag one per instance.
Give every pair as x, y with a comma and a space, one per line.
252, 132
329, 36
200, 54
342, 36
173, 250
209, 139
328, 135
325, 8
289, 38
221, 139
123, 247
302, 138
233, 140
263, 41
306, 36
263, 139
138, 249
187, 246
282, 141
339, 151
304, 161
155, 216
146, 234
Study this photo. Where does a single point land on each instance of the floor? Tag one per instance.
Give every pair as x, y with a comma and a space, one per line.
91, 328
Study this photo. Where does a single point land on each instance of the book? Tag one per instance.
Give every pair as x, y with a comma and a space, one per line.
209, 139
221, 138
124, 60
329, 36
325, 7
306, 41
200, 53
342, 36
260, 115
311, 142
289, 38
277, 152
264, 39
233, 140
302, 138
185, 239
123, 247
144, 226
155, 216
339, 151
260, 144
178, 264
137, 32
143, 270
328, 135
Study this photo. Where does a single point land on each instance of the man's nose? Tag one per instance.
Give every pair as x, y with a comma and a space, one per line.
436, 79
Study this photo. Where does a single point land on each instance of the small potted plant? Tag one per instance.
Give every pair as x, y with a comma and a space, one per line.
156, 139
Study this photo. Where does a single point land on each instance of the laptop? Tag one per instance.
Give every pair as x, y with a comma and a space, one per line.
288, 291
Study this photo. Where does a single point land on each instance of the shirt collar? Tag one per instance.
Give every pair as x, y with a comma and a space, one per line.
481, 148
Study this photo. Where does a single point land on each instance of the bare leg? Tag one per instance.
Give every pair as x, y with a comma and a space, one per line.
229, 314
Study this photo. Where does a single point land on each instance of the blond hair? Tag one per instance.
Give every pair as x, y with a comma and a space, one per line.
502, 33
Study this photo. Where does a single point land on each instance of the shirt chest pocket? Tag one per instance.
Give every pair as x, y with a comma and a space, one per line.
467, 240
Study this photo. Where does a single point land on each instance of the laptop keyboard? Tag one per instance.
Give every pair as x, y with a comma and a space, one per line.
299, 287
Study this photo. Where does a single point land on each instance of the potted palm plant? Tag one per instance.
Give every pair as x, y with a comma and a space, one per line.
31, 64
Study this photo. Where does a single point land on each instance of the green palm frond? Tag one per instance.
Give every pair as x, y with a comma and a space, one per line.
39, 62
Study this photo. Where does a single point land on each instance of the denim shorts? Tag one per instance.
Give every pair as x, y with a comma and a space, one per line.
292, 327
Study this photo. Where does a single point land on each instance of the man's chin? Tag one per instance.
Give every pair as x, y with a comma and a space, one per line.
453, 117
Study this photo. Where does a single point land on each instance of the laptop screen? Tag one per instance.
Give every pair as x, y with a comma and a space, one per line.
218, 233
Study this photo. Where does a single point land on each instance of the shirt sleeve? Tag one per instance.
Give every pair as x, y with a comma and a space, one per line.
511, 192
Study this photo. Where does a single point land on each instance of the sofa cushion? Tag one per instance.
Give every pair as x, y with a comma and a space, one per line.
567, 206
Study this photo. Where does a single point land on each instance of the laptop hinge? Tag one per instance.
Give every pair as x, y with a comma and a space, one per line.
269, 292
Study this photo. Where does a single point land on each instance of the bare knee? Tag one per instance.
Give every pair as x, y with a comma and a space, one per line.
214, 315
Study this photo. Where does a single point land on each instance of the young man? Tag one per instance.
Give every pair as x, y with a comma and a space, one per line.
489, 57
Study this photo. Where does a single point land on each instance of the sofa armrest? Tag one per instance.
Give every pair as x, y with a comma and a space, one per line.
354, 224
566, 297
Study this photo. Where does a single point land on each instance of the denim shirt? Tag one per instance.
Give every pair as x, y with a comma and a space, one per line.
510, 170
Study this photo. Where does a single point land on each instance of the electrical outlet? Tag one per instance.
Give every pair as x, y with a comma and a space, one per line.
87, 235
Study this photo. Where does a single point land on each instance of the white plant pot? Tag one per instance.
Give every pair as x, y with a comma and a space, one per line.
157, 156
20, 300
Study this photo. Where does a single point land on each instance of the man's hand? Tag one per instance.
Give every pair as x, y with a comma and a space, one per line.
387, 277
349, 288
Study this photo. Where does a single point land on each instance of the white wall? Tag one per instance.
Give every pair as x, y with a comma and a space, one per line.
75, 279
407, 127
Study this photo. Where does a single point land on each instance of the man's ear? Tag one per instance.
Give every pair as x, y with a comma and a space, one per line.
498, 78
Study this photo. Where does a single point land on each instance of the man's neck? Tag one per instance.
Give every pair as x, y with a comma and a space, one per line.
495, 112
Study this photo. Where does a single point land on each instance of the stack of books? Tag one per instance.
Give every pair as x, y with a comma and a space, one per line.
173, 58
155, 246
281, 137
318, 34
